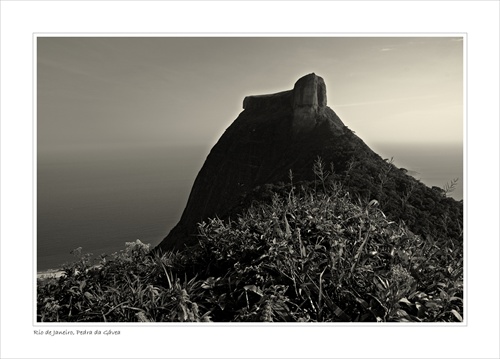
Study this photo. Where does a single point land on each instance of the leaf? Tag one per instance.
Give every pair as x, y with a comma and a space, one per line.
457, 315
443, 295
381, 284
377, 308
221, 302
362, 302
72, 290
403, 316
421, 311
406, 301
337, 310
253, 288
209, 283
432, 305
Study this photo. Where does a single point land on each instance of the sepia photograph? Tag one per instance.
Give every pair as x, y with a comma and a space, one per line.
249, 179
291, 179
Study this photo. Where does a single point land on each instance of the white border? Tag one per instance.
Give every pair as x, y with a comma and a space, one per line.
478, 340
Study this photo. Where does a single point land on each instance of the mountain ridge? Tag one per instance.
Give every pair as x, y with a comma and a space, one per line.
282, 133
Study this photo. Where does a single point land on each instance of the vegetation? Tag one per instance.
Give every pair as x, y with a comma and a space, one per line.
304, 252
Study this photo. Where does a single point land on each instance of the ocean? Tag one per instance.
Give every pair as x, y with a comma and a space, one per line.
434, 164
101, 198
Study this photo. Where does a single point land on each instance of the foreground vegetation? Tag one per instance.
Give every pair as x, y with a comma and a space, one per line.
310, 253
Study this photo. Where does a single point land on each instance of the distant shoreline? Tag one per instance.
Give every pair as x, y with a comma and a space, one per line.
49, 273
56, 273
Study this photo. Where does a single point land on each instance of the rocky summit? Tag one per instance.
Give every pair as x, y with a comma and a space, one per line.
275, 134
283, 134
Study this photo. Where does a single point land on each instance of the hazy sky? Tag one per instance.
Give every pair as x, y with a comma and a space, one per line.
100, 91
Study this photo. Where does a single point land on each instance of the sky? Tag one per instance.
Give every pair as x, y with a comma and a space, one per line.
104, 91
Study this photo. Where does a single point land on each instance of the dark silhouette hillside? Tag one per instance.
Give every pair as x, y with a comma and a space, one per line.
285, 133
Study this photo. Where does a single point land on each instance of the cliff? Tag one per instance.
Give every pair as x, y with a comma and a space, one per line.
285, 133
274, 134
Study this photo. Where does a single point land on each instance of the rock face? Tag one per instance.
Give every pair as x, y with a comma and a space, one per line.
274, 134
309, 91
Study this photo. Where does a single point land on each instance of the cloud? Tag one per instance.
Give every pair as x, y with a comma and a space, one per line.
386, 49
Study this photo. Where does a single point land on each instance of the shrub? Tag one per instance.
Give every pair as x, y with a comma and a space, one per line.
316, 256
309, 253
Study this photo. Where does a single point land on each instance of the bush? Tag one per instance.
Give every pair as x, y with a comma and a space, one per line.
311, 253
317, 256
133, 285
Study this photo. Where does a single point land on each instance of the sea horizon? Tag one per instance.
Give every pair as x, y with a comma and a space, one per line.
101, 198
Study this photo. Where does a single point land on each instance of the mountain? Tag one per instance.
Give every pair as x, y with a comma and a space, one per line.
278, 138
300, 222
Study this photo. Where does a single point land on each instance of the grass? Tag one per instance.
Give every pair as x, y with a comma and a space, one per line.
312, 253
